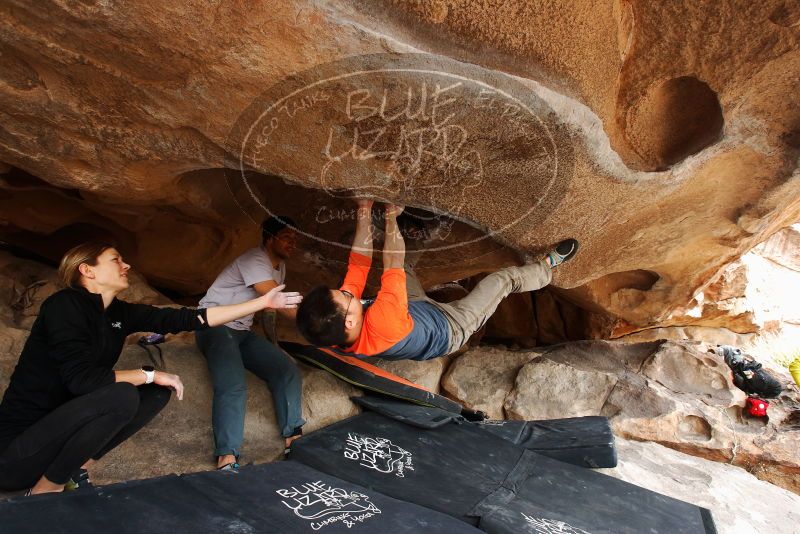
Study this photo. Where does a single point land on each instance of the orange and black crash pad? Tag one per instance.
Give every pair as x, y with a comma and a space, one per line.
278, 497
489, 482
372, 378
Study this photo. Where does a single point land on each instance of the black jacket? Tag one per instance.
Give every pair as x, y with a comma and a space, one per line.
72, 349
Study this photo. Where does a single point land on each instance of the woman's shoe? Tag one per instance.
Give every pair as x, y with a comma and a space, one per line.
79, 480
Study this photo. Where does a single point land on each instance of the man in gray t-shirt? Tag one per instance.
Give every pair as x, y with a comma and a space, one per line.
236, 281
232, 348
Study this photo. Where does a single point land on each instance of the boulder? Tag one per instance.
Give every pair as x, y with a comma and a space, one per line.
482, 377
427, 374
547, 390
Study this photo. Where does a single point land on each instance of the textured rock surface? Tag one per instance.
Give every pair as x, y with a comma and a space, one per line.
549, 390
782, 248
751, 301
668, 133
483, 377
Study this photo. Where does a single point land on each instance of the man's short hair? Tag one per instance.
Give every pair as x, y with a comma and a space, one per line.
320, 319
272, 225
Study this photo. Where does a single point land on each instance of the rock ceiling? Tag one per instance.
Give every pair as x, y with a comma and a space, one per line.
664, 136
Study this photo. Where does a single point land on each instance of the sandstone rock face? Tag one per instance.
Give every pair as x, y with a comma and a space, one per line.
719, 336
427, 373
549, 390
612, 122
782, 248
751, 302
483, 377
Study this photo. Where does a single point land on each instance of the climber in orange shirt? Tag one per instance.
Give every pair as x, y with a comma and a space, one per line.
402, 322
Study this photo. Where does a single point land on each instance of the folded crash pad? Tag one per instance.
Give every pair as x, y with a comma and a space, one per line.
278, 497
484, 480
583, 441
370, 377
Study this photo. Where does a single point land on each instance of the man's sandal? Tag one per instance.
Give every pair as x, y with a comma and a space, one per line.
229, 467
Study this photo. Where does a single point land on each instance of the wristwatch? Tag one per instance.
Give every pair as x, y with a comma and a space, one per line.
150, 373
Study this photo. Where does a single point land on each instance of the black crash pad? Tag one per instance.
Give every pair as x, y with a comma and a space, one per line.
584, 441
166, 504
484, 480
278, 497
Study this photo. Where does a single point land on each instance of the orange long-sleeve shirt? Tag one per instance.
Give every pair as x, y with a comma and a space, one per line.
387, 320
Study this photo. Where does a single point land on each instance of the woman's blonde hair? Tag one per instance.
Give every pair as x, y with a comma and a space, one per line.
68, 270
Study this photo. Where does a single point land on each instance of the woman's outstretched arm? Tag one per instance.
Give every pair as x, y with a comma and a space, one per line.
146, 318
275, 298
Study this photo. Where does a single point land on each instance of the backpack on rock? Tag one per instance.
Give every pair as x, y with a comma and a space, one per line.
748, 374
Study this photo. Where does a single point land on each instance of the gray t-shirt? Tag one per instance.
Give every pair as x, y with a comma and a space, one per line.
235, 283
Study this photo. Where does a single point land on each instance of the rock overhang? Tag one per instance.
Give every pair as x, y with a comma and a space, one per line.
132, 140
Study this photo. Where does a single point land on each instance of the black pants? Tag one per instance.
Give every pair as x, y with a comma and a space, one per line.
84, 428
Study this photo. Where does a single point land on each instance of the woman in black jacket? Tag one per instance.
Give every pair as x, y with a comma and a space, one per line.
65, 405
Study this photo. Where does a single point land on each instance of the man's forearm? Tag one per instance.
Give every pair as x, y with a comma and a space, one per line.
362, 241
394, 248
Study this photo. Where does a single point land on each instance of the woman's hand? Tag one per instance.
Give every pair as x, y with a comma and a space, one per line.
170, 381
276, 298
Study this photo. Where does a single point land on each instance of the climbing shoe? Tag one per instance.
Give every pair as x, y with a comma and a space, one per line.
564, 251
